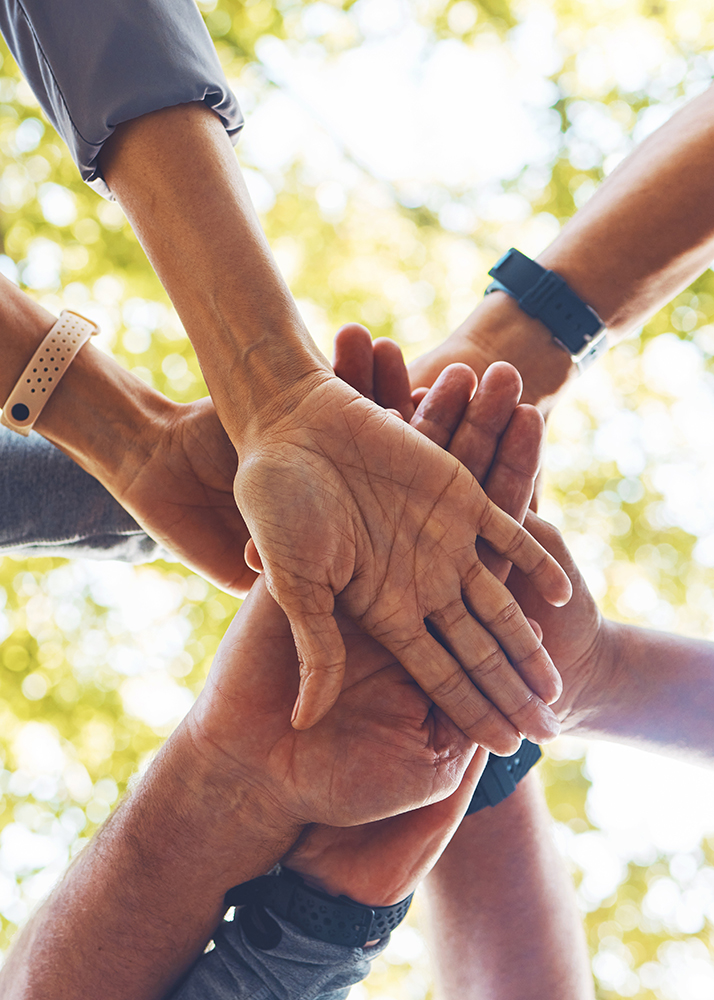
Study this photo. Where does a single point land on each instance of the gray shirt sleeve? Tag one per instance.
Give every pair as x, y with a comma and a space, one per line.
299, 968
49, 506
96, 63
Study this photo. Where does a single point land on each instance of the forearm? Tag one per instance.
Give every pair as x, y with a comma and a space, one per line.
138, 905
651, 690
645, 235
502, 909
176, 175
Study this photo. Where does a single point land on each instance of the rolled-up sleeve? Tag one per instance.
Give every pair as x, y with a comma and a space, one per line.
96, 63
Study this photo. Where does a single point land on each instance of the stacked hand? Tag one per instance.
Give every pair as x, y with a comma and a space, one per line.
348, 503
182, 494
499, 442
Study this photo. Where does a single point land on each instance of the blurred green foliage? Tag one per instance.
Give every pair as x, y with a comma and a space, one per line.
70, 740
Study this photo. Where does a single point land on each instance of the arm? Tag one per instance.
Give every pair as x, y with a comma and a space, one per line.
645, 235
633, 685
229, 793
502, 912
170, 466
326, 485
501, 906
225, 799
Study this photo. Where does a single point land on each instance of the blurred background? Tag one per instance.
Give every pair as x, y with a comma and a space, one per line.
394, 151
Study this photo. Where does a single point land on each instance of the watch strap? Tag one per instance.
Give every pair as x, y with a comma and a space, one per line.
501, 776
334, 919
545, 296
45, 370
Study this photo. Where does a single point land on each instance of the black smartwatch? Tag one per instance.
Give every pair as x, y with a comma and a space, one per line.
545, 296
335, 919
502, 774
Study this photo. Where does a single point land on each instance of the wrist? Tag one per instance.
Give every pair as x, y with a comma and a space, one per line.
500, 331
246, 828
106, 419
591, 685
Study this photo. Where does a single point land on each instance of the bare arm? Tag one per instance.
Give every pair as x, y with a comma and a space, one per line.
502, 910
645, 235
171, 466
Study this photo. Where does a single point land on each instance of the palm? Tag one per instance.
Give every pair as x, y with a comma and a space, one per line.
383, 749
183, 497
344, 500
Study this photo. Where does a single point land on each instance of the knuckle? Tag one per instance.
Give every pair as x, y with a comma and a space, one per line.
448, 688
507, 620
450, 615
489, 664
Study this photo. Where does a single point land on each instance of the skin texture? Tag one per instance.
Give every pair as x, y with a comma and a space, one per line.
644, 236
170, 465
230, 791
175, 478
347, 506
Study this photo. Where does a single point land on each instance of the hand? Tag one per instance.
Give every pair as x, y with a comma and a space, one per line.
500, 442
182, 495
389, 529
384, 747
498, 330
576, 637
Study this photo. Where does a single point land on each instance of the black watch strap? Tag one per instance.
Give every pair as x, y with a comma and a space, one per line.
335, 919
502, 774
545, 296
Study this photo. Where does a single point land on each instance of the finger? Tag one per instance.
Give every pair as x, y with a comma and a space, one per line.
510, 540
536, 628
353, 358
252, 557
476, 440
321, 656
510, 690
439, 413
418, 395
510, 481
442, 679
391, 381
513, 472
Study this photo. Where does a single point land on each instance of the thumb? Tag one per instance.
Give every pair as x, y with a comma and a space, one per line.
321, 654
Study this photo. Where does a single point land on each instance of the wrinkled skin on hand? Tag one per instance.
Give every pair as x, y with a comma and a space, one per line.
346, 501
384, 748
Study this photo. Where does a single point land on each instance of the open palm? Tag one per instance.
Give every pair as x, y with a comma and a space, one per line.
347, 502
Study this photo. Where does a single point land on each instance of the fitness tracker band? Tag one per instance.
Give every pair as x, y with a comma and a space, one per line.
502, 774
44, 371
545, 296
335, 919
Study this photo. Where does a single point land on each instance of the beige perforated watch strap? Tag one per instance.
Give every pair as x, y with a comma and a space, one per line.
47, 366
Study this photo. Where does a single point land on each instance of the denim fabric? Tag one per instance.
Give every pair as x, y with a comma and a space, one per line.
51, 507
94, 65
299, 968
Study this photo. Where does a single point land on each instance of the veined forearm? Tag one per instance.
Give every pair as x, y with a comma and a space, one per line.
176, 176
138, 905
